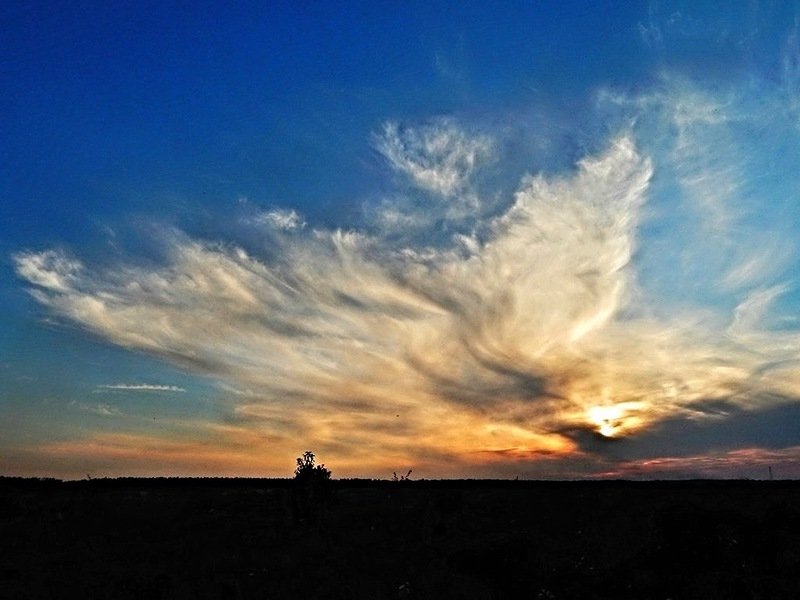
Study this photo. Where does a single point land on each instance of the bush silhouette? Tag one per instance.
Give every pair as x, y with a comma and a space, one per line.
307, 470
311, 490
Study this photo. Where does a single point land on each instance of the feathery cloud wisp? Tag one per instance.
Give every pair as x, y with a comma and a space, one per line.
439, 157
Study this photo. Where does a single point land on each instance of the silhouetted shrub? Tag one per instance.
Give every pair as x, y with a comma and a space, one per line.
311, 491
307, 470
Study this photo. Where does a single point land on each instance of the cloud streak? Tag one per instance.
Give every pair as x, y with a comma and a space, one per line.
141, 387
104, 410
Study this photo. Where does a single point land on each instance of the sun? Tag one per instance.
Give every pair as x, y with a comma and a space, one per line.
607, 419
616, 420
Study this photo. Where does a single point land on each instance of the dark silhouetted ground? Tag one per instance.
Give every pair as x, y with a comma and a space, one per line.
243, 539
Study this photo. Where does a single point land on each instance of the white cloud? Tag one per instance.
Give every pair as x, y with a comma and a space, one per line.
104, 410
438, 158
141, 387
50, 269
281, 219
398, 216
340, 327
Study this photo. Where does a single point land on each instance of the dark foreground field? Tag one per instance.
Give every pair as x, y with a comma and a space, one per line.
244, 539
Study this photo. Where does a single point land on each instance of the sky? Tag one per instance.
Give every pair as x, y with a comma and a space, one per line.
522, 239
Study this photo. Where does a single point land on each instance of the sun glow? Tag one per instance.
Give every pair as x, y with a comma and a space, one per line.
613, 420
606, 419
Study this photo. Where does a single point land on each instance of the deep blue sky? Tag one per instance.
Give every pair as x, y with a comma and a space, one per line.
130, 129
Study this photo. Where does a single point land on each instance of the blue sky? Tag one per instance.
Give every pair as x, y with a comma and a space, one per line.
568, 230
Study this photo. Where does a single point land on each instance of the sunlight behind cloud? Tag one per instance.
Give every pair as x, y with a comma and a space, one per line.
510, 338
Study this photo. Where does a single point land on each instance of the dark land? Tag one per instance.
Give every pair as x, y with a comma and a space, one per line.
253, 538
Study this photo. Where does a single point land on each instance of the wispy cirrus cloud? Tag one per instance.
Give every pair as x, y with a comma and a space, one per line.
438, 157
598, 303
341, 335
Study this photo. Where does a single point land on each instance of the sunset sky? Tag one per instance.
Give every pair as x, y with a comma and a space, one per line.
536, 239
